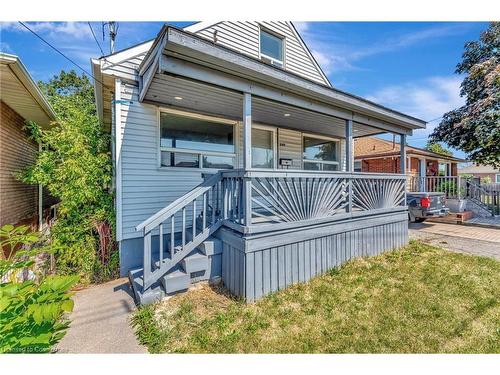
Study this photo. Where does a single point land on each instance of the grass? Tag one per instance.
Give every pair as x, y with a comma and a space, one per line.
420, 299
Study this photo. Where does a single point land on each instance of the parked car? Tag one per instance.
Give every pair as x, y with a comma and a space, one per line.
422, 205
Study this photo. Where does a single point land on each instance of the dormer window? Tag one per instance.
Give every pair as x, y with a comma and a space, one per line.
271, 48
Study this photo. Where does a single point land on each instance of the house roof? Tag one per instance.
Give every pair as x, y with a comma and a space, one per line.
20, 92
370, 147
202, 25
478, 169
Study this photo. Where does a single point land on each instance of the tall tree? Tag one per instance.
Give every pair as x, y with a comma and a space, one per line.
438, 148
475, 127
75, 166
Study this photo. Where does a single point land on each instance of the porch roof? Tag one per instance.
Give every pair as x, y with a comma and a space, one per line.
181, 60
373, 147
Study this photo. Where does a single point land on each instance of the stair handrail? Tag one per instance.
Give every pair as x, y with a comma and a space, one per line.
152, 271
154, 220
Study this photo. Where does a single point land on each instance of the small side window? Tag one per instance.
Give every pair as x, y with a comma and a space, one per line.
271, 48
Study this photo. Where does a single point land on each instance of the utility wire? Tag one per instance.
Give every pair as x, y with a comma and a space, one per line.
59, 52
95, 38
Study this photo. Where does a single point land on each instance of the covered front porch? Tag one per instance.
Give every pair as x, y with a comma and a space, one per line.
278, 190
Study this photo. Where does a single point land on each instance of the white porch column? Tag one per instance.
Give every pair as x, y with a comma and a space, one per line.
349, 149
402, 154
247, 158
247, 131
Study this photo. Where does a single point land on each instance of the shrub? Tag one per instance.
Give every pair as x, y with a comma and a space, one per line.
75, 166
32, 307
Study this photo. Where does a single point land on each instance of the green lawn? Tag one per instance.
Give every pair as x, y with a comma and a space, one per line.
419, 299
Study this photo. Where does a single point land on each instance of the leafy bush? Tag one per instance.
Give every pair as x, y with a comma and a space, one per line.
31, 308
75, 166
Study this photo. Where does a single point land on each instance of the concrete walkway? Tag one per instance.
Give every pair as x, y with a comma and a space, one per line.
465, 239
100, 321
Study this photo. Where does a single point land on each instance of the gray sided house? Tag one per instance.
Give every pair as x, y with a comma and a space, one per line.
233, 160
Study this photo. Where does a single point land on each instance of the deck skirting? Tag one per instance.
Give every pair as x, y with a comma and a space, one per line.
256, 265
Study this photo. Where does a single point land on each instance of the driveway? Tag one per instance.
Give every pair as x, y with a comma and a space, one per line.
465, 239
100, 321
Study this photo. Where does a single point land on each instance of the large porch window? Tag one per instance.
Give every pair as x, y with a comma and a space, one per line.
195, 141
320, 153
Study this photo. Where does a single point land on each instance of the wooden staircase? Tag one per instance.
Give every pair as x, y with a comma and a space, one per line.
184, 252
197, 266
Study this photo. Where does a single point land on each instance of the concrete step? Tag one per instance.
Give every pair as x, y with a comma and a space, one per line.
176, 281
211, 246
196, 262
153, 294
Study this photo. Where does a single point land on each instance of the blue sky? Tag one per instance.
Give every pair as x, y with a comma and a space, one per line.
406, 66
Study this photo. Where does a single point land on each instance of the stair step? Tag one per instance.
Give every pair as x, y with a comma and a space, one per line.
211, 246
195, 262
176, 281
153, 294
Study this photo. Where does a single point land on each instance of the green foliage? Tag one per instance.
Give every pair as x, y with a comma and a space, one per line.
486, 180
474, 128
31, 311
437, 148
75, 165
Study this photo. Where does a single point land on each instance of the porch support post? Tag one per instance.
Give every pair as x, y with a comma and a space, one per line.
247, 158
247, 131
349, 161
402, 154
349, 149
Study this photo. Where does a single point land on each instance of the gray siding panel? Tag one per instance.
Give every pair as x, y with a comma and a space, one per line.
244, 37
271, 269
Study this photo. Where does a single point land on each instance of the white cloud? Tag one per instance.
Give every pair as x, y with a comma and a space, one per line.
56, 30
426, 99
340, 55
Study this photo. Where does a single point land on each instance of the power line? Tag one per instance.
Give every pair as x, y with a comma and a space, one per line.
59, 52
435, 119
93, 34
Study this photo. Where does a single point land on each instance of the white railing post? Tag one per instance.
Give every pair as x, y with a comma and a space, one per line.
459, 187
247, 201
146, 275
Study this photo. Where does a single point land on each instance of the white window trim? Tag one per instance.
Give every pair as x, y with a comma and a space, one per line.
274, 131
337, 140
497, 178
283, 41
200, 153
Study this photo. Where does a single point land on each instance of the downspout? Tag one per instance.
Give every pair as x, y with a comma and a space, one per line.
40, 196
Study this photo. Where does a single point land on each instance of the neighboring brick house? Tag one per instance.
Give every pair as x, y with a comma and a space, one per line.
482, 172
20, 100
372, 154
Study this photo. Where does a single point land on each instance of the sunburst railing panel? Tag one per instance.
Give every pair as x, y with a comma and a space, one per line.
294, 196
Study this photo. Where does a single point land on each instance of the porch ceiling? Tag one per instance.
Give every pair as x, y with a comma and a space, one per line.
165, 90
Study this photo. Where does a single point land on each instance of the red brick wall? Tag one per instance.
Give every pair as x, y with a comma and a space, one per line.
388, 165
18, 201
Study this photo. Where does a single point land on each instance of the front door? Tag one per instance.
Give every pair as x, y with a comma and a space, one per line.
263, 147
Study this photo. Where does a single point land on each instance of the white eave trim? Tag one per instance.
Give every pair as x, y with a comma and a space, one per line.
22, 74
98, 94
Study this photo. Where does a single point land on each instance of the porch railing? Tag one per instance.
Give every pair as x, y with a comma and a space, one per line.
452, 186
486, 196
257, 197
245, 199
194, 217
